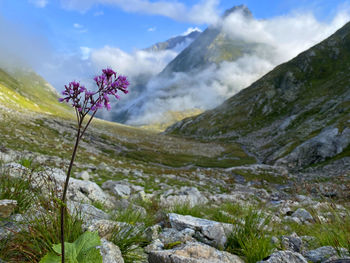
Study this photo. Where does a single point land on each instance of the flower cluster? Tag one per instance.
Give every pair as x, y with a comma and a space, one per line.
84, 101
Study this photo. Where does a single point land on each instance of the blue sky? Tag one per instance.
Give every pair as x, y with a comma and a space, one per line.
69, 25
66, 40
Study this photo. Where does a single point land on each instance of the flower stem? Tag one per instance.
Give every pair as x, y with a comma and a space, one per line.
63, 203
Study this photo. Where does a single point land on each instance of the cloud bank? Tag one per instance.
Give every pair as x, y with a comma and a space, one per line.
280, 39
21, 48
204, 11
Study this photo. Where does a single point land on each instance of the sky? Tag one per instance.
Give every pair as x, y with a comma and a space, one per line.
65, 40
72, 26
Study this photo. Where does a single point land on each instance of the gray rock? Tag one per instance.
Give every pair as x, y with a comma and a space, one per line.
189, 195
303, 215
117, 188
343, 260
155, 245
78, 190
15, 169
110, 253
103, 227
152, 232
10, 226
192, 253
171, 235
206, 231
321, 254
285, 257
292, 243
84, 175
88, 213
328, 143
7, 207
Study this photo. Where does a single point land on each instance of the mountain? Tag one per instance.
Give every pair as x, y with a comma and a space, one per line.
212, 46
199, 68
297, 115
178, 42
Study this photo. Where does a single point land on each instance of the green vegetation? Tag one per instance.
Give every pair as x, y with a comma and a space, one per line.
333, 231
134, 216
82, 250
130, 238
24, 90
18, 188
41, 232
249, 238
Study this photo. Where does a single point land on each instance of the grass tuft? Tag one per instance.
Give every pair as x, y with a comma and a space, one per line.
250, 239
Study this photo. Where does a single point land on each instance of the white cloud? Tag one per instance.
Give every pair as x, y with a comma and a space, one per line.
204, 11
190, 30
39, 3
288, 35
77, 26
85, 52
133, 65
151, 29
280, 39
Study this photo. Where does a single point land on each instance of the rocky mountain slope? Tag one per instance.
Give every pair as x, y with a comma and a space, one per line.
175, 42
297, 115
211, 47
199, 67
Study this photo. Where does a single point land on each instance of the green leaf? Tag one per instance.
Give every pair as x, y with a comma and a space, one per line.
87, 241
83, 250
91, 256
51, 258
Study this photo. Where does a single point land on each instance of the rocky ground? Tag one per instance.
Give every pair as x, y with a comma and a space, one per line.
157, 198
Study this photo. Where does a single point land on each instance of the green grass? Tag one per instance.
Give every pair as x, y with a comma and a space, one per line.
40, 231
133, 216
130, 240
334, 232
19, 189
250, 239
187, 209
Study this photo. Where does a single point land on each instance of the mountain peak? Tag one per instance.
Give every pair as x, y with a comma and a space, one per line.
239, 8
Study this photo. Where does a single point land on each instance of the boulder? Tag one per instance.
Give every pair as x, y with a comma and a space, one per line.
207, 231
84, 175
292, 243
285, 257
7, 207
328, 143
171, 236
103, 227
192, 252
321, 254
303, 215
88, 213
78, 190
110, 253
119, 189
186, 195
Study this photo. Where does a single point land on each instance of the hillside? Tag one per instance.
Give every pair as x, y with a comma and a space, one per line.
24, 90
297, 115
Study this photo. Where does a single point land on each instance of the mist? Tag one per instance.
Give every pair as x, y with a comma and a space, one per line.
20, 48
281, 39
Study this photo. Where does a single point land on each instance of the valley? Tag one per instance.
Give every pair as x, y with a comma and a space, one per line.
263, 177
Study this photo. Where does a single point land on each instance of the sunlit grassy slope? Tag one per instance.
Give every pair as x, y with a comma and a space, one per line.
23, 90
32, 120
